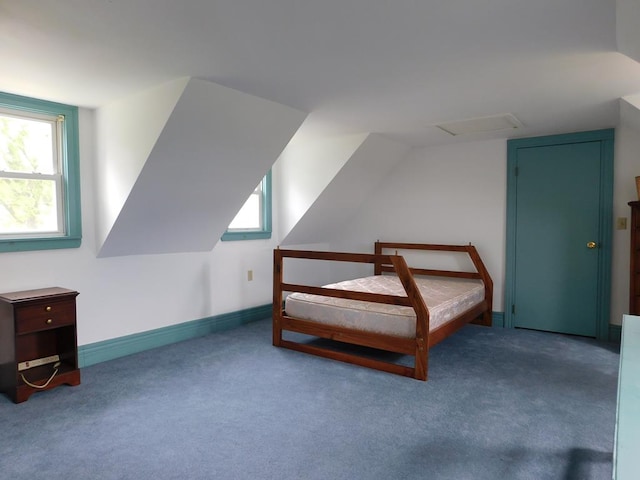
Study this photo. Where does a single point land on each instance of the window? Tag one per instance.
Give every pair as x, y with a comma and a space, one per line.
39, 175
253, 221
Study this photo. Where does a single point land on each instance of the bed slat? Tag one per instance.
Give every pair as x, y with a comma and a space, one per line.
402, 345
353, 359
435, 273
348, 294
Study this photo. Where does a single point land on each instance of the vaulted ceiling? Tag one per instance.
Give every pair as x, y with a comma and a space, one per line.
395, 68
361, 79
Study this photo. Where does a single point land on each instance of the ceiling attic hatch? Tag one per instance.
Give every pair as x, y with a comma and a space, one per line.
492, 123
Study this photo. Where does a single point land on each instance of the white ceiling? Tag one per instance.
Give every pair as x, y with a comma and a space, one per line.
391, 67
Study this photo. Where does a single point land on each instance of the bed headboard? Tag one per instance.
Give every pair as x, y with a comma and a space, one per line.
479, 273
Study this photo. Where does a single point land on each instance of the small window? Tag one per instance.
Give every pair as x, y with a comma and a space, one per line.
253, 221
39, 184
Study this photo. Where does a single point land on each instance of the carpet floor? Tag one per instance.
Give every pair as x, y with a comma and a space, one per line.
499, 404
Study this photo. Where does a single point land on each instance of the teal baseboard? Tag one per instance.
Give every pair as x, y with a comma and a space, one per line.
93, 353
615, 333
98, 352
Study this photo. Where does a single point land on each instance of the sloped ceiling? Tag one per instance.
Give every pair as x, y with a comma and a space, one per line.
341, 194
126, 132
630, 111
372, 69
215, 147
627, 31
393, 68
304, 170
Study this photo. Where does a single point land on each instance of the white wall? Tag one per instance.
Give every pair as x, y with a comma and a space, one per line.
626, 168
215, 147
627, 33
123, 147
125, 295
304, 169
446, 194
457, 194
330, 196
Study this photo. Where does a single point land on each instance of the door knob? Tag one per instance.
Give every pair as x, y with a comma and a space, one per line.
592, 244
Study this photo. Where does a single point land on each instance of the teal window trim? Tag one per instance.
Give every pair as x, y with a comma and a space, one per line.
70, 173
265, 231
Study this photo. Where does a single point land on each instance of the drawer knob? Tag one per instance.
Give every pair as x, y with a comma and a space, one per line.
49, 321
48, 308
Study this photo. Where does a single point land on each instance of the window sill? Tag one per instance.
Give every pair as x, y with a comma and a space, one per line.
234, 236
30, 244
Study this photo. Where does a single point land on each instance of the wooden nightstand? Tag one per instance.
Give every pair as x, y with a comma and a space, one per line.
38, 341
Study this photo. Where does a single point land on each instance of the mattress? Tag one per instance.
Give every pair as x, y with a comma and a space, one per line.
445, 298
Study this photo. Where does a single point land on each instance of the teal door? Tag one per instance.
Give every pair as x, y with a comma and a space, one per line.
559, 241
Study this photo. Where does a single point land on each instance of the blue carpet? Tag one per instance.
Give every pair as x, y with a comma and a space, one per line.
499, 404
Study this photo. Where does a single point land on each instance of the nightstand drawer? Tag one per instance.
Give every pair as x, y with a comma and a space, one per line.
33, 318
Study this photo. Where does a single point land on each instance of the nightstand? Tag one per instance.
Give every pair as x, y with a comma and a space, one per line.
38, 341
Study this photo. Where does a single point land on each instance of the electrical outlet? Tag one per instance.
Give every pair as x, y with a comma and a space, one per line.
621, 223
250, 275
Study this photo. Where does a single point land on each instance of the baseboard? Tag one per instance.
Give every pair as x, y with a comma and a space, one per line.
497, 319
615, 333
119, 347
98, 352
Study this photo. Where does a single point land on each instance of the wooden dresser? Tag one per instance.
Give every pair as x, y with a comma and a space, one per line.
38, 341
634, 283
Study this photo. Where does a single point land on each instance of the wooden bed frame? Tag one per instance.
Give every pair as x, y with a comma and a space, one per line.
418, 346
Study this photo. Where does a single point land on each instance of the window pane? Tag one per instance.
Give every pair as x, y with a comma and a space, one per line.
28, 206
39, 175
248, 218
26, 145
253, 221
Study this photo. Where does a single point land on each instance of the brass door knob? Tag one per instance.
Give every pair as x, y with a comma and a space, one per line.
592, 244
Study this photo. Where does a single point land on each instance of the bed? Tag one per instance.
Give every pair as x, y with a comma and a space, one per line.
400, 309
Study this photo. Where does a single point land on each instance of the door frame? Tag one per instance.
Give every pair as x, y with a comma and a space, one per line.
605, 221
